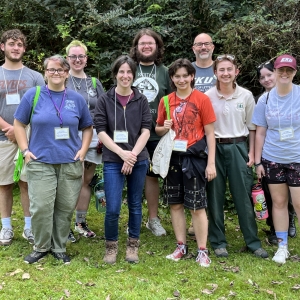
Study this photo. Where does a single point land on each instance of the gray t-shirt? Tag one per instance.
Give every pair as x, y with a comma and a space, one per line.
205, 78
281, 117
13, 82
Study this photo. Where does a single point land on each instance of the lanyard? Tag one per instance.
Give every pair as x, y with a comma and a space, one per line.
6, 82
77, 85
154, 68
124, 110
291, 109
58, 110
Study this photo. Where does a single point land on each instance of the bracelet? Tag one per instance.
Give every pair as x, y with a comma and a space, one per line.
257, 165
24, 152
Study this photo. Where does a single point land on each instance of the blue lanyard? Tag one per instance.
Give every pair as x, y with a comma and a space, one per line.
58, 110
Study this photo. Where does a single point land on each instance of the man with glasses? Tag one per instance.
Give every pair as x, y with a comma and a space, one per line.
15, 80
203, 48
152, 80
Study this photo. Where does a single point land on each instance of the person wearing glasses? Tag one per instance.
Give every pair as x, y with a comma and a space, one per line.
53, 157
277, 157
203, 49
91, 91
267, 79
233, 106
153, 81
123, 121
192, 119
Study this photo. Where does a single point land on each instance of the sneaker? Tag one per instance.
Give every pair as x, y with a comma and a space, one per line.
260, 252
202, 259
62, 256
34, 257
71, 237
6, 236
179, 252
111, 252
281, 255
27, 235
155, 226
132, 250
292, 232
83, 229
221, 252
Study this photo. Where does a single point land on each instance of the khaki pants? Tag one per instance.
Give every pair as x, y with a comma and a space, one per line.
53, 192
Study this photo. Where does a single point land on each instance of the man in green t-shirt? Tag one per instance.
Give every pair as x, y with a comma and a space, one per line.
152, 80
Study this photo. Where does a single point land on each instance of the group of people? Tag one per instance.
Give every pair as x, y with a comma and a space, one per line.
219, 135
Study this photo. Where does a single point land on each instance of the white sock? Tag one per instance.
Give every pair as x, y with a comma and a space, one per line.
27, 223
6, 223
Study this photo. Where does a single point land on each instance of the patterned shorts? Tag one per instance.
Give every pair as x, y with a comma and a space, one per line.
282, 173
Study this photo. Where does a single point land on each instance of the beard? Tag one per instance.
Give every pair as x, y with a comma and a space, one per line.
146, 59
12, 58
202, 55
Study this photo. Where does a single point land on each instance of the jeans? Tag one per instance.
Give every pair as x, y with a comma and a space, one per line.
113, 186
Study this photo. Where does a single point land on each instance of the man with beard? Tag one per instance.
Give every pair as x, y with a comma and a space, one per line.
152, 80
203, 48
15, 80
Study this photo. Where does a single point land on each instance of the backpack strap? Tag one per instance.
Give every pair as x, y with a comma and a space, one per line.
167, 107
35, 100
267, 98
94, 82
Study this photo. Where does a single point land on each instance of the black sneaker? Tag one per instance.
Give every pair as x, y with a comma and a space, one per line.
83, 229
34, 257
62, 256
71, 237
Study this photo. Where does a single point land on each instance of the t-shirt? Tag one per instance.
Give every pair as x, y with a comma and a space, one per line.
205, 78
189, 116
153, 82
12, 82
74, 113
278, 114
234, 113
85, 84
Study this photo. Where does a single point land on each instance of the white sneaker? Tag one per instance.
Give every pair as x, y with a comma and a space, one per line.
155, 226
6, 236
27, 235
281, 255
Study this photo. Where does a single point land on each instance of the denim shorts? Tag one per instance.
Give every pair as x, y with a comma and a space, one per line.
178, 189
277, 173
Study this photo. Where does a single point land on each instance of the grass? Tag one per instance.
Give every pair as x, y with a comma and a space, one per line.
241, 276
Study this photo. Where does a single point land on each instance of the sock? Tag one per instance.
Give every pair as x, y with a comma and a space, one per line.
27, 221
80, 216
6, 223
282, 237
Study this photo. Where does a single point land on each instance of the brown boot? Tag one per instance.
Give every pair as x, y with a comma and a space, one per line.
111, 251
132, 250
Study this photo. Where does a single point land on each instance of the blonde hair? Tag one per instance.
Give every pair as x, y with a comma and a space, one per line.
76, 43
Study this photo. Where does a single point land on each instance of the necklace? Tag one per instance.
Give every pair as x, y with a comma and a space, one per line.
77, 85
153, 68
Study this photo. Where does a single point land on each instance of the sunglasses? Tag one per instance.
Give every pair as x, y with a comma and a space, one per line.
264, 64
230, 57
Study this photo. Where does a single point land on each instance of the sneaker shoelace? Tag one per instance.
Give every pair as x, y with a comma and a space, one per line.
181, 249
203, 257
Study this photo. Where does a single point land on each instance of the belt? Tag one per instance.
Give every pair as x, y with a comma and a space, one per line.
231, 140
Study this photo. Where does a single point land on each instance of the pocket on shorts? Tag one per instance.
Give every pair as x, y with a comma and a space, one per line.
73, 170
34, 170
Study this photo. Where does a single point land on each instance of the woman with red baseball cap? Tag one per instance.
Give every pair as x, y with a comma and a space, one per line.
277, 142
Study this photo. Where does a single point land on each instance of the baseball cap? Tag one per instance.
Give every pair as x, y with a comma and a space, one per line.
285, 60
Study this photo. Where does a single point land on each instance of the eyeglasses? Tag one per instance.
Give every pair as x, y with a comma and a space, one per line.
288, 70
206, 44
53, 71
264, 64
143, 44
228, 56
75, 57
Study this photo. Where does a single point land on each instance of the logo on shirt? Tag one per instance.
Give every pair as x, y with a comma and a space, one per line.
240, 106
70, 105
148, 87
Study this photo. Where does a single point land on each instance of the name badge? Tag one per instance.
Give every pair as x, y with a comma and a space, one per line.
61, 133
180, 145
12, 99
120, 136
286, 133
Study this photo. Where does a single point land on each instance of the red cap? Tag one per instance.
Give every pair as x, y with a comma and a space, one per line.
285, 60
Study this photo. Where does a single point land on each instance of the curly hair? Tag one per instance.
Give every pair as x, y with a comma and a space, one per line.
14, 34
158, 40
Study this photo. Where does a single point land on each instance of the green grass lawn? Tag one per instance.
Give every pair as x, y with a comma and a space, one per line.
241, 276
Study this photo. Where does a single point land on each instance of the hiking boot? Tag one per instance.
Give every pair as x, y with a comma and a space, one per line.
292, 232
202, 259
179, 252
34, 257
111, 251
62, 256
71, 237
281, 255
83, 229
27, 235
6, 236
155, 227
221, 252
260, 252
272, 238
191, 230
132, 250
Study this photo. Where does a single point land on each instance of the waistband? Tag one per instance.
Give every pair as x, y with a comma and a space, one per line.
231, 140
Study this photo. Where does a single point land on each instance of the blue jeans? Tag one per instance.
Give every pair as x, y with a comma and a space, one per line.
113, 186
